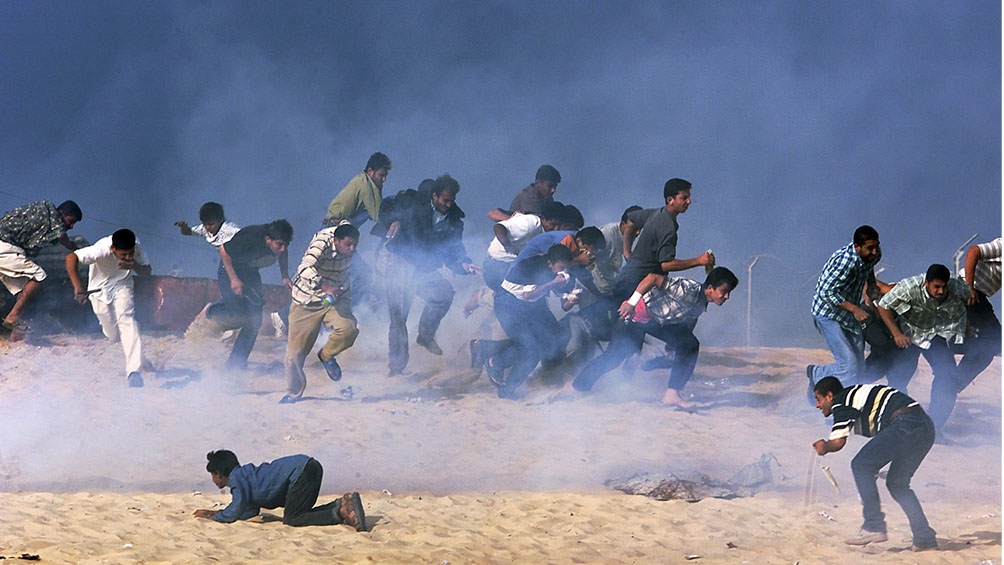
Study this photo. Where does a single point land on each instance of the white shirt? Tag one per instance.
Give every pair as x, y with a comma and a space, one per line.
227, 230
104, 272
522, 228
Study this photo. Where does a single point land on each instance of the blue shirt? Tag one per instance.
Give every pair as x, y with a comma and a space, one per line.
263, 486
542, 242
843, 278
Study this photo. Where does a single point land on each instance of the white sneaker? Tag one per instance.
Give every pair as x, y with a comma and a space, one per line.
279, 325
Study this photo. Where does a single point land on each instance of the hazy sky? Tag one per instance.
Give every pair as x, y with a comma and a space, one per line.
795, 121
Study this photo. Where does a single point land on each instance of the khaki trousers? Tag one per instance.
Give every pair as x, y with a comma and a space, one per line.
304, 327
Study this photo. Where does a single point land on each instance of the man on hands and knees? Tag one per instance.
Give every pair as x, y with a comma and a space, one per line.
292, 482
901, 435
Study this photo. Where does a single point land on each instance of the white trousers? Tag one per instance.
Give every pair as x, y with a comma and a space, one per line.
118, 323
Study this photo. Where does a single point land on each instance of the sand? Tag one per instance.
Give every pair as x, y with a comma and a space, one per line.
92, 471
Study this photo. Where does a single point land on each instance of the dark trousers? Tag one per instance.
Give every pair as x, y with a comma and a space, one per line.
902, 444
301, 496
537, 335
431, 287
980, 348
241, 312
628, 339
944, 388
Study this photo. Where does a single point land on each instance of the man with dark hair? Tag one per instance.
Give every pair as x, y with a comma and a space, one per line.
213, 225
241, 297
424, 233
930, 317
292, 482
668, 309
901, 436
512, 235
23, 231
526, 318
655, 248
321, 294
837, 309
361, 197
112, 260
532, 198
983, 338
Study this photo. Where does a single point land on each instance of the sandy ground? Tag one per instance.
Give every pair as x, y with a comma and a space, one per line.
92, 471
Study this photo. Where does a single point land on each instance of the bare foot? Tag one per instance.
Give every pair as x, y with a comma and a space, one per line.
672, 398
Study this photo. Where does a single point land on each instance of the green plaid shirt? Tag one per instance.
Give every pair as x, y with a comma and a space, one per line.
923, 318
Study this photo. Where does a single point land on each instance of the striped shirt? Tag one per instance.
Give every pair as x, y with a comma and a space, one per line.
226, 232
923, 318
987, 278
865, 409
321, 262
843, 277
676, 301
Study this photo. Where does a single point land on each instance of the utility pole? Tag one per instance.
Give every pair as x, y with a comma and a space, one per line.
962, 251
749, 300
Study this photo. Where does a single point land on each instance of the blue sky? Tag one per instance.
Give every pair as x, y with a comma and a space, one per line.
795, 121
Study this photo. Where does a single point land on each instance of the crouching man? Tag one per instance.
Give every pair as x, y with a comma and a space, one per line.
901, 433
291, 482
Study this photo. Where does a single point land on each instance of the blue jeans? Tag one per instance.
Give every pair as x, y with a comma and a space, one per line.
944, 388
628, 340
902, 444
537, 335
239, 312
848, 349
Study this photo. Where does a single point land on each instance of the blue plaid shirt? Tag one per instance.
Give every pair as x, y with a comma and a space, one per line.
843, 278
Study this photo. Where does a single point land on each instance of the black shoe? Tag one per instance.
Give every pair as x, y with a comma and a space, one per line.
495, 373
288, 400
351, 511
476, 361
331, 367
135, 380
811, 394
429, 343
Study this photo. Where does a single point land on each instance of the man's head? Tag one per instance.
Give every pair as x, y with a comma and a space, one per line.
572, 218
377, 168
624, 216
124, 244
719, 285
866, 243
546, 181
444, 193
825, 391
71, 213
550, 215
221, 463
590, 241
558, 258
676, 192
346, 238
212, 217
936, 282
278, 236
